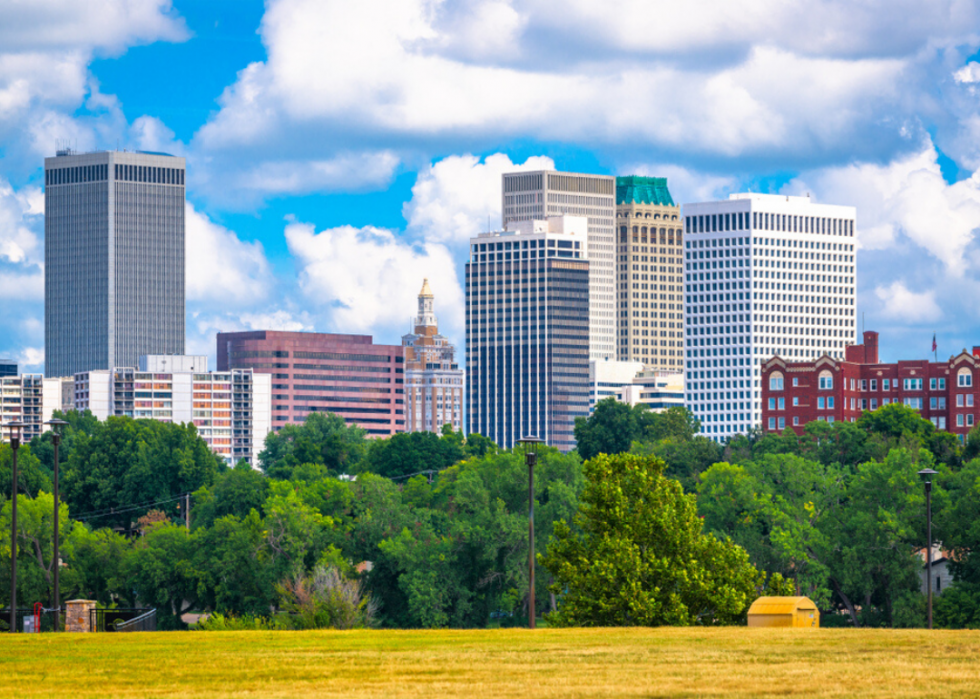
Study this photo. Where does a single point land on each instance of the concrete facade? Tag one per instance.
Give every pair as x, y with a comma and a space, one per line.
764, 275
650, 274
231, 409
114, 253
536, 196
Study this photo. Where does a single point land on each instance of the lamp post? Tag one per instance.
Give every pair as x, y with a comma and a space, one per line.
56, 426
926, 474
14, 426
530, 444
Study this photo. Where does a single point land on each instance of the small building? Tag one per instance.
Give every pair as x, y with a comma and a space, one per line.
784, 612
942, 576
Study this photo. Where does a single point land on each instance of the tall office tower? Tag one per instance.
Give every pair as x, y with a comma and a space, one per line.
114, 259
650, 269
8, 367
531, 196
347, 375
765, 275
433, 380
527, 331
232, 410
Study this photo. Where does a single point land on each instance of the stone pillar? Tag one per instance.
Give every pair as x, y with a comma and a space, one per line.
78, 617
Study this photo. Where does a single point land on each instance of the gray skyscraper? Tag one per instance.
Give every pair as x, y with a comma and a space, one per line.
114, 259
529, 196
527, 331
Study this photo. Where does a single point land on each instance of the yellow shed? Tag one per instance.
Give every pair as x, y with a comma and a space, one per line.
794, 612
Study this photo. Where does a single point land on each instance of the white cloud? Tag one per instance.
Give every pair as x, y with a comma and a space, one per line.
347, 172
222, 269
367, 279
459, 196
31, 359
899, 303
905, 198
45, 49
687, 185
970, 73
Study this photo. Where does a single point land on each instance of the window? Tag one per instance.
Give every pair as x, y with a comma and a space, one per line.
782, 404
964, 378
782, 422
772, 423
864, 404
932, 384
942, 423
884, 384
776, 382
885, 401
914, 403
942, 384
969, 400
969, 420
826, 381
830, 403
912, 384
942, 402
959, 404
874, 405
820, 406
959, 423
796, 401
796, 421
796, 381
772, 406
933, 403
864, 384
874, 384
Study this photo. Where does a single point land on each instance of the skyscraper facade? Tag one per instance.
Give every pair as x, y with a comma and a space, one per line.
527, 331
114, 259
433, 380
8, 367
347, 375
764, 275
650, 274
540, 195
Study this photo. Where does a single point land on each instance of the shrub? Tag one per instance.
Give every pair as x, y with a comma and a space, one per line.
326, 600
220, 622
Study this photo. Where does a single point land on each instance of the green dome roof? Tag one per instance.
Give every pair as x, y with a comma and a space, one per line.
635, 189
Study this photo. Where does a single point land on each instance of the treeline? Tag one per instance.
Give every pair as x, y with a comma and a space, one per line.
839, 510
446, 547
434, 527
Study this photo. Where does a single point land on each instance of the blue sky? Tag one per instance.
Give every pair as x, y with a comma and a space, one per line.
338, 152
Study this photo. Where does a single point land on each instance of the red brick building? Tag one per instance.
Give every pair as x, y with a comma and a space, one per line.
316, 372
795, 393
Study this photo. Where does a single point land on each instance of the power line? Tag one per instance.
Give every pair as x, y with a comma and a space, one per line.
124, 509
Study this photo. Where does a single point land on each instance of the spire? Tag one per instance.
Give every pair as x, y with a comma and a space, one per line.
426, 317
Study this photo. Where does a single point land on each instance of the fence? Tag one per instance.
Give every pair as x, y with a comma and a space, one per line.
123, 619
47, 619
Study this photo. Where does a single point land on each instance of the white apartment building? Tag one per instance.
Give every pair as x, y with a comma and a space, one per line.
232, 410
529, 196
765, 275
21, 400
634, 383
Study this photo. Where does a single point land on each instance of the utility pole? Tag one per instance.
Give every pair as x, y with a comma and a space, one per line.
14, 426
56, 425
187, 511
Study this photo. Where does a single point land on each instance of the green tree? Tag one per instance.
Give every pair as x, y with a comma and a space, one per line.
610, 429
640, 557
412, 452
161, 569
31, 476
323, 438
236, 492
127, 467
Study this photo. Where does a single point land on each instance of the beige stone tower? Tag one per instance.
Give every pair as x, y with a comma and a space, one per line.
649, 274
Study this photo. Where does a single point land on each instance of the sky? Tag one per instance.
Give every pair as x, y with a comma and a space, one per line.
339, 152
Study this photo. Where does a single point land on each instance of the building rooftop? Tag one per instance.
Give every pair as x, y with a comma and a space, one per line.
636, 189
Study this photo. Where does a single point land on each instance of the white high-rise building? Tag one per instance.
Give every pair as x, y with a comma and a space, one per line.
537, 196
232, 410
764, 275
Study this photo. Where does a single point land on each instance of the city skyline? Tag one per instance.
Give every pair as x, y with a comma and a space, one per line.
407, 183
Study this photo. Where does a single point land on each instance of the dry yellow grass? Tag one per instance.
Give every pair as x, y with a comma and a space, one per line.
503, 663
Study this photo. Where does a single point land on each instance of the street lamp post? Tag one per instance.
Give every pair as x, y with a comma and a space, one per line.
531, 444
14, 426
926, 474
56, 426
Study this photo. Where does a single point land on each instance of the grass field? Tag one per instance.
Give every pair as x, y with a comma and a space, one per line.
503, 663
